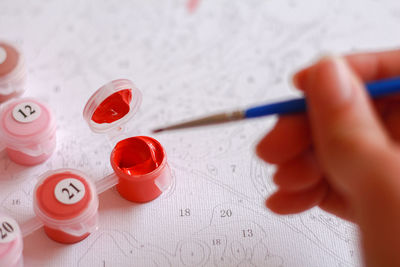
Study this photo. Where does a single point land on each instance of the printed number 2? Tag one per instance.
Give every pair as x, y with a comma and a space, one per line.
28, 109
5, 228
70, 195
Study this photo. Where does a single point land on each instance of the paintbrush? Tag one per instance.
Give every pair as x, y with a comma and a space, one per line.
375, 89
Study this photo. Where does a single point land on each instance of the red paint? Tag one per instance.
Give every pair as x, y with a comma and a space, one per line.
11, 60
113, 107
62, 237
138, 155
138, 161
192, 5
54, 209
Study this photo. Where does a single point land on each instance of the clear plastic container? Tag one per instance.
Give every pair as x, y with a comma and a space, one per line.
66, 202
27, 131
12, 72
141, 165
140, 162
11, 244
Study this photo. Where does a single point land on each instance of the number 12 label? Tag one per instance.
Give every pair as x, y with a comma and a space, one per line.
8, 229
26, 112
69, 191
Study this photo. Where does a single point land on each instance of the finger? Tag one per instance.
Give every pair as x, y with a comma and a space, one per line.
289, 137
283, 202
345, 128
368, 66
337, 205
375, 66
298, 174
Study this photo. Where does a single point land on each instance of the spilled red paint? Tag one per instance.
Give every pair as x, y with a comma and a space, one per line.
138, 155
192, 5
113, 107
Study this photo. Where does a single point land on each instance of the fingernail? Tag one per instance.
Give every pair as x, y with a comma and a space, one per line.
299, 79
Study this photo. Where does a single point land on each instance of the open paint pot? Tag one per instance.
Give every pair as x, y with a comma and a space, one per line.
27, 131
12, 72
11, 244
140, 162
66, 202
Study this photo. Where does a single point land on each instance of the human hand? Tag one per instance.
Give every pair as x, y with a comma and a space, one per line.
343, 155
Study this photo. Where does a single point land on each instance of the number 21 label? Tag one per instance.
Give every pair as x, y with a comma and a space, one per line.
26, 112
69, 191
8, 229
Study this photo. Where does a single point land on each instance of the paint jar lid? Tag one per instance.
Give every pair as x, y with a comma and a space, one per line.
111, 106
25, 125
11, 244
12, 72
66, 199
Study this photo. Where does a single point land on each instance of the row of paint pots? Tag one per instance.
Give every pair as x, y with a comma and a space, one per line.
66, 205
65, 201
27, 126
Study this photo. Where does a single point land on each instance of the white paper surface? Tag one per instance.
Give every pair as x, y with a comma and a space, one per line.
223, 55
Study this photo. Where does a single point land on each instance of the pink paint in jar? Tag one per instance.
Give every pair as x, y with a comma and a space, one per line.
27, 131
11, 244
12, 72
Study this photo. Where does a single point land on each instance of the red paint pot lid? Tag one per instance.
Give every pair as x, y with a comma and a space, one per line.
113, 105
64, 196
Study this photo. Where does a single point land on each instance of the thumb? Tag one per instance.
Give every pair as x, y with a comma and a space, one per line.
347, 134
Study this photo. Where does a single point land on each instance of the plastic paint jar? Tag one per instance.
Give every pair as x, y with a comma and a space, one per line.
11, 243
12, 72
139, 162
27, 131
66, 202
141, 165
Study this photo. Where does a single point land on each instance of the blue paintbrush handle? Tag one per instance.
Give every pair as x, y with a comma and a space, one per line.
375, 90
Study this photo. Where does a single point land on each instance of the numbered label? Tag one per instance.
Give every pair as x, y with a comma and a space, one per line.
216, 242
26, 112
69, 191
226, 213
8, 229
185, 212
247, 233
